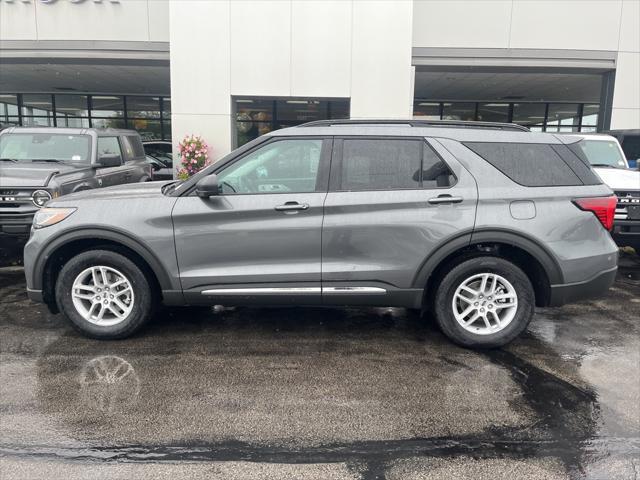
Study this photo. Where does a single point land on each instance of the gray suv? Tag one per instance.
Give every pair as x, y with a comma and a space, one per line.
478, 223
38, 164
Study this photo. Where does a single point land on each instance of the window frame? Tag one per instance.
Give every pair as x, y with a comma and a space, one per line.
322, 178
335, 180
117, 137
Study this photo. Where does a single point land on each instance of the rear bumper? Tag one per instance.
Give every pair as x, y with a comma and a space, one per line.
572, 292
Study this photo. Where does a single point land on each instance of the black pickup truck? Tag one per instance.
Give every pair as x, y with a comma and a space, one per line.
37, 164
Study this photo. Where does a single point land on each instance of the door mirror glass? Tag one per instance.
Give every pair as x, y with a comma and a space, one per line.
208, 186
109, 160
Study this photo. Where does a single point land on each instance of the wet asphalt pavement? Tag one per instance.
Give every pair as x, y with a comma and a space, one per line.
321, 394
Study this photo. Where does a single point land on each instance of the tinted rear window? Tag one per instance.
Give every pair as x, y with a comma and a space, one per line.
528, 164
578, 163
392, 164
381, 164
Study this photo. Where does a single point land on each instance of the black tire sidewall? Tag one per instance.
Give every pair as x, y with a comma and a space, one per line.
449, 284
142, 292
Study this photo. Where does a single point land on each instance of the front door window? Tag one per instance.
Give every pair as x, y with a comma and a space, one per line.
284, 166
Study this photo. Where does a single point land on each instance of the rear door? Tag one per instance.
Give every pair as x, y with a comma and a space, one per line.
392, 202
261, 238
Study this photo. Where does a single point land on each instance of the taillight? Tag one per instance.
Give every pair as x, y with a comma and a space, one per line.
602, 207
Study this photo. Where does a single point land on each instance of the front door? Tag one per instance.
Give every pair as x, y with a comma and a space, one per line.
262, 236
392, 202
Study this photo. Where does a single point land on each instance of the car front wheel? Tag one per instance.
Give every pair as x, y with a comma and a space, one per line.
104, 294
484, 302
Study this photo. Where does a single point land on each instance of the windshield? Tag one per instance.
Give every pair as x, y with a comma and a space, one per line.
29, 147
602, 153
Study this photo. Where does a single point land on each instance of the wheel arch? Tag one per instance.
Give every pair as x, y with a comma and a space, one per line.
534, 259
60, 249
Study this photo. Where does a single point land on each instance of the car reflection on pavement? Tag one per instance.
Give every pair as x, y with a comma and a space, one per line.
323, 393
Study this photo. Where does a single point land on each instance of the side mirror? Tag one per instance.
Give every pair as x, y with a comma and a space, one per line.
208, 186
110, 160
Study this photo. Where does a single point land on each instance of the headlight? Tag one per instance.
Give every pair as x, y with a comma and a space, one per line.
50, 216
40, 197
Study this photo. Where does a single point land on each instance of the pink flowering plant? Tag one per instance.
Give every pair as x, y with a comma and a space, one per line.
193, 156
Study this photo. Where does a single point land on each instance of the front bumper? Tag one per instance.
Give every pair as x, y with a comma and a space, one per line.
17, 224
572, 292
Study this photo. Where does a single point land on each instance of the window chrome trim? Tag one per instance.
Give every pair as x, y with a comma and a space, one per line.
263, 291
356, 290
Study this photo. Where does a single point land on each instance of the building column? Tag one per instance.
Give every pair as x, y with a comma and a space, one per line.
200, 73
381, 72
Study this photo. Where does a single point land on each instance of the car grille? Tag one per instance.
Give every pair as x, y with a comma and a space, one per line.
628, 207
11, 198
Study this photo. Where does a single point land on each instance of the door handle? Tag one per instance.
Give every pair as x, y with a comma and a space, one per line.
292, 206
441, 199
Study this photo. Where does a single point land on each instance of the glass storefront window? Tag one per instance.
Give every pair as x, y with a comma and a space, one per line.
529, 114
563, 117
493, 112
148, 129
107, 122
8, 106
257, 116
590, 115
459, 111
37, 121
166, 107
300, 111
426, 110
37, 105
143, 107
107, 106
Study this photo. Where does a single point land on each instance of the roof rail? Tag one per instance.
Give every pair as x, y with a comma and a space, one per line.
419, 123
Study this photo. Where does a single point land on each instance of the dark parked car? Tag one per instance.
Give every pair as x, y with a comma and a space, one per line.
160, 156
38, 164
477, 222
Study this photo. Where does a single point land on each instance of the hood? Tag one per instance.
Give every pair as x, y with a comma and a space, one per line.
117, 192
619, 179
39, 174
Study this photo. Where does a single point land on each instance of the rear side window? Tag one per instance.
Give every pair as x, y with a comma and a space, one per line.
528, 164
133, 146
578, 163
388, 164
109, 146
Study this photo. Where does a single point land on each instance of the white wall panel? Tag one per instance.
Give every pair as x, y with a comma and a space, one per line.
461, 23
260, 47
200, 64
630, 26
381, 59
214, 129
627, 87
625, 118
17, 21
126, 21
566, 24
321, 48
158, 20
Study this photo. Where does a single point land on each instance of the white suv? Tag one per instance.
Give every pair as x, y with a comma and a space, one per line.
607, 158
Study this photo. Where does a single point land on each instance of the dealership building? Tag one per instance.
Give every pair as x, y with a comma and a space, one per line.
231, 70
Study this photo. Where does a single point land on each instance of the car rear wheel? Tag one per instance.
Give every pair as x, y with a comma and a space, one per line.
104, 294
484, 302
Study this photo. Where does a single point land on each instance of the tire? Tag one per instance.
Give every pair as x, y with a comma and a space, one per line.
137, 302
515, 313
